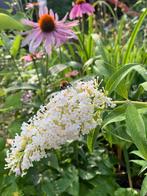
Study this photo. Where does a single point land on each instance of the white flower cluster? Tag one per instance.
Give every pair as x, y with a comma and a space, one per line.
68, 115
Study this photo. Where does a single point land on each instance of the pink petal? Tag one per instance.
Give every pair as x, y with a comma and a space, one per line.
43, 10
59, 39
72, 24
35, 43
29, 37
79, 11
52, 13
65, 17
64, 33
73, 12
56, 17
87, 8
29, 23
48, 45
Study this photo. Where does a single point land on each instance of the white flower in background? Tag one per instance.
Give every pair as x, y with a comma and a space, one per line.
71, 113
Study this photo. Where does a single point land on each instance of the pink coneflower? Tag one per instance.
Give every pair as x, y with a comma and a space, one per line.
49, 31
80, 7
31, 57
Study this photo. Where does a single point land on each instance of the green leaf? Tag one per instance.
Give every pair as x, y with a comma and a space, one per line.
29, 189
24, 86
67, 182
133, 36
118, 76
123, 89
103, 186
144, 187
137, 153
118, 136
48, 188
142, 163
91, 138
126, 192
56, 69
142, 71
2, 92
141, 89
117, 115
88, 175
53, 161
2, 143
15, 46
100, 69
13, 101
136, 129
14, 127
12, 190
7, 22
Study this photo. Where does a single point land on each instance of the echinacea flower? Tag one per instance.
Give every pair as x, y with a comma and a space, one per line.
48, 30
81, 7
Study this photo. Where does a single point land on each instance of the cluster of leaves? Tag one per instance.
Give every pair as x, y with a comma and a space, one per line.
110, 159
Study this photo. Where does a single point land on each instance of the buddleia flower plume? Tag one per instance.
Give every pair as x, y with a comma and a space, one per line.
70, 113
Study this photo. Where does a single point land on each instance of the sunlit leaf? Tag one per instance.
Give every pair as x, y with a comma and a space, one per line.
144, 187
7, 22
15, 46
136, 129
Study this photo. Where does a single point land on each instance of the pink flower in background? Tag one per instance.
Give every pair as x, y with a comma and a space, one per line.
29, 6
31, 57
72, 74
79, 8
48, 30
123, 7
32, 5
27, 58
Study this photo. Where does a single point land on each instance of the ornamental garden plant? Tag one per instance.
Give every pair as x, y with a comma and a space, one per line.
73, 98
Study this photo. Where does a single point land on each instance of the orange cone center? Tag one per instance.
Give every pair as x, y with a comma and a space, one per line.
46, 23
80, 1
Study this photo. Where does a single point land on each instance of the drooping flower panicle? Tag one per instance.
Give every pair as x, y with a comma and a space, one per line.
81, 7
70, 113
48, 30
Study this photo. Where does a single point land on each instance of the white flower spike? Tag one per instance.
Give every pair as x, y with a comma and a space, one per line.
72, 112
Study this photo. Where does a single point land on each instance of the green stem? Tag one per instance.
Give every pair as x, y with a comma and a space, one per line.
17, 69
76, 148
37, 73
126, 157
14, 63
46, 75
82, 37
129, 101
60, 53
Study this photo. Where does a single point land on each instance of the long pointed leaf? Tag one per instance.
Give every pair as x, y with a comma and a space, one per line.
133, 36
7, 22
136, 129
